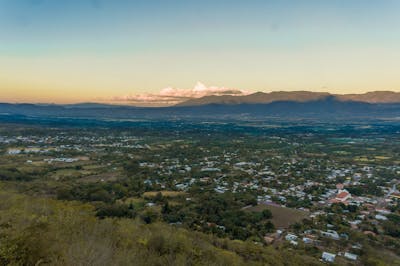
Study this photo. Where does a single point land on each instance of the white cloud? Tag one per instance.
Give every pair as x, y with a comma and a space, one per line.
170, 96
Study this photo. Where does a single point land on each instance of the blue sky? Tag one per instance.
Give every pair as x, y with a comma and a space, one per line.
119, 47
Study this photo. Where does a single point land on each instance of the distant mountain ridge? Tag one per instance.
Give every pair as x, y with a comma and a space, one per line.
295, 96
322, 106
373, 97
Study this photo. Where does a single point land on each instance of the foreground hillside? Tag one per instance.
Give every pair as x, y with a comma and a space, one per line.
41, 231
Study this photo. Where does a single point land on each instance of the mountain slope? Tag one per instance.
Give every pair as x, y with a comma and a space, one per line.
296, 96
373, 97
258, 97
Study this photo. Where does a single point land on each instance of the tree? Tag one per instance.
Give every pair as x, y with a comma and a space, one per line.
266, 214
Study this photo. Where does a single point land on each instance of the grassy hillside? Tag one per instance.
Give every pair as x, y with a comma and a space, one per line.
42, 231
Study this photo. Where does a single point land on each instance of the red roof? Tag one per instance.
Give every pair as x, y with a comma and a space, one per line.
342, 195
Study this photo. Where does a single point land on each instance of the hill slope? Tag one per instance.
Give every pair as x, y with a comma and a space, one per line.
258, 98
297, 96
42, 231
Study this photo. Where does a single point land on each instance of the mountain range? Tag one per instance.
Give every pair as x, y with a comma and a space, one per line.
296, 96
286, 105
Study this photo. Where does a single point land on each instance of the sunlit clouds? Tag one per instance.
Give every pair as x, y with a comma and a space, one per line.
171, 96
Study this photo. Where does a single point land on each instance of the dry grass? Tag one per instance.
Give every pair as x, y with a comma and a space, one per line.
165, 193
282, 217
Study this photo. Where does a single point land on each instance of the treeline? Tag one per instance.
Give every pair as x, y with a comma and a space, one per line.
220, 214
13, 174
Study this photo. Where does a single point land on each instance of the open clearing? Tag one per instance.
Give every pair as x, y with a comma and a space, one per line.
165, 193
282, 217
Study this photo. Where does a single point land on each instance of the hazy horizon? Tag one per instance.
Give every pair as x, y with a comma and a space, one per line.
158, 100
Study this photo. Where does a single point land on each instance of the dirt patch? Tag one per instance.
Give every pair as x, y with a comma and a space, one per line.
282, 217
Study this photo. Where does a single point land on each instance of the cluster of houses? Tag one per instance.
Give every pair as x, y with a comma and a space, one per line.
330, 257
61, 160
267, 187
310, 237
26, 150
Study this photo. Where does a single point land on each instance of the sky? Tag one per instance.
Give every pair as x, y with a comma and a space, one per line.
133, 51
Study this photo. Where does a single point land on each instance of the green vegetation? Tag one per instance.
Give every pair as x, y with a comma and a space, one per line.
42, 231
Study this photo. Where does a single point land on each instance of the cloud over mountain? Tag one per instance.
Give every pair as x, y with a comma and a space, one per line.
170, 96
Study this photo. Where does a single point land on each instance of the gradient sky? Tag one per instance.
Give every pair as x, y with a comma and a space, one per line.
90, 50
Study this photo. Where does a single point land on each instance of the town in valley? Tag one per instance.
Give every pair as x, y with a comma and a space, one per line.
329, 191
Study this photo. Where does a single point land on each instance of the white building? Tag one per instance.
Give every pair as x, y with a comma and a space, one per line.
328, 257
350, 256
